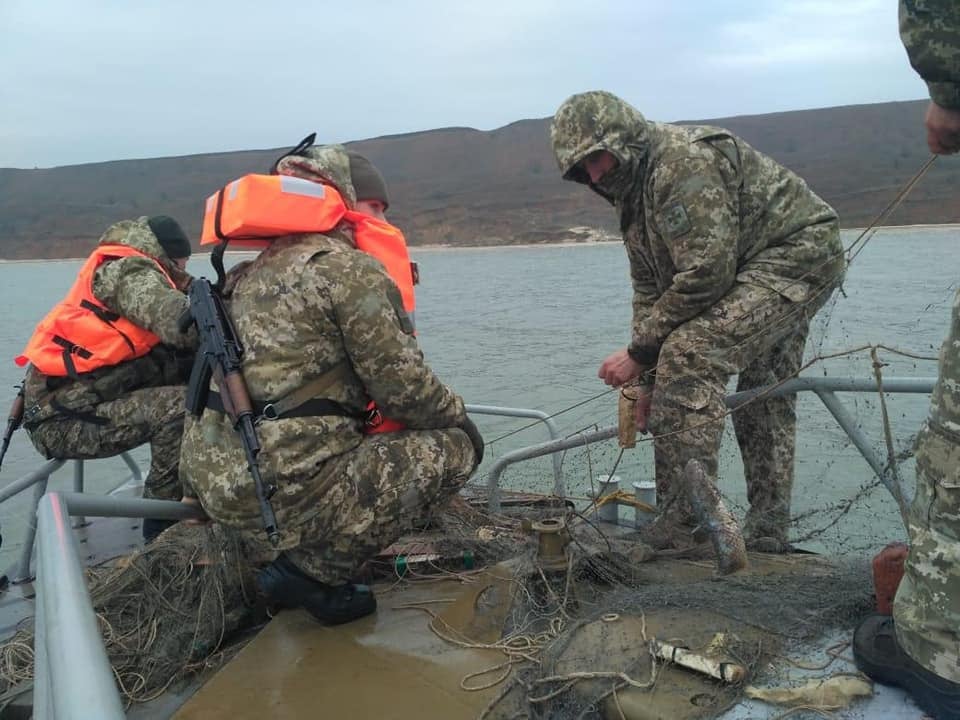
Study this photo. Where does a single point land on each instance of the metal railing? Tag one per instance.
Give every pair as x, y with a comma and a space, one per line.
73, 679
824, 388
545, 418
38, 480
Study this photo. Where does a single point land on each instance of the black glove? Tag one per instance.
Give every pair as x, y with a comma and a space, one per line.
476, 439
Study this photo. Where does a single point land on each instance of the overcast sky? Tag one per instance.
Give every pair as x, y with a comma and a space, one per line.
93, 80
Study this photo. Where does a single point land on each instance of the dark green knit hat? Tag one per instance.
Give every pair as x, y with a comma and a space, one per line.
172, 238
367, 180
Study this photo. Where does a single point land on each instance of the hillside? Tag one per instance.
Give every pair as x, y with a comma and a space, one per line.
460, 186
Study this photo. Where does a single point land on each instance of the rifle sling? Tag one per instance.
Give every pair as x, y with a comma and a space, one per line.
305, 401
314, 407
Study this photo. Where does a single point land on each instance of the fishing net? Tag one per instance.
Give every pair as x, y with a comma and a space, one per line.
165, 613
585, 614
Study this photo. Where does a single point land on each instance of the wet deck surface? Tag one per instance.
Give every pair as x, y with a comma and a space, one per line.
392, 666
386, 666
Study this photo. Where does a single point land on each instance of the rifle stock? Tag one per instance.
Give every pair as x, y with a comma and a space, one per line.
221, 357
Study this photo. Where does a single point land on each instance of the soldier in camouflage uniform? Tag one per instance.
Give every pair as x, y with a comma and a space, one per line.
730, 255
929, 29
113, 409
919, 647
312, 306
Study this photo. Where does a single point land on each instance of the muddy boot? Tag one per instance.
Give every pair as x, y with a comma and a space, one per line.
766, 532
768, 544
285, 585
670, 531
879, 655
718, 522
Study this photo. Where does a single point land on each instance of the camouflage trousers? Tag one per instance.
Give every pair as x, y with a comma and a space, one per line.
153, 415
927, 606
759, 334
388, 485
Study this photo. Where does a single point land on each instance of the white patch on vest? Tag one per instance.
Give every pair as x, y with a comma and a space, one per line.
234, 188
299, 186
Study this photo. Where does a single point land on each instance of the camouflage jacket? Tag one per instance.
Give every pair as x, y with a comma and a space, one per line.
930, 30
699, 210
136, 289
945, 400
305, 305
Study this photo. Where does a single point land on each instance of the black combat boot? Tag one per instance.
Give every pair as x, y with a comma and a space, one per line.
285, 585
153, 527
879, 655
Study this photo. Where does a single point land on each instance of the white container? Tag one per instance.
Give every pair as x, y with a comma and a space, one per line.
644, 491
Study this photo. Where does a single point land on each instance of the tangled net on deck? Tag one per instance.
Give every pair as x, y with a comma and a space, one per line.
165, 612
577, 639
575, 636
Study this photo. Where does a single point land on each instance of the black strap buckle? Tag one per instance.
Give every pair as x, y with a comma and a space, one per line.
373, 418
269, 412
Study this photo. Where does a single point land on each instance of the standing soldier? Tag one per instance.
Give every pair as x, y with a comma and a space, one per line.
325, 332
108, 363
730, 255
930, 30
918, 648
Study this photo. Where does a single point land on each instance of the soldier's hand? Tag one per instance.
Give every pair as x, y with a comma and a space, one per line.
619, 368
943, 129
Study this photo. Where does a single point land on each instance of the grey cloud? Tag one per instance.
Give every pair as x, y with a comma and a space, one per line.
107, 79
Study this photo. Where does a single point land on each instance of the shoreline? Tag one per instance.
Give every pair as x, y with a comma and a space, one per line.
561, 243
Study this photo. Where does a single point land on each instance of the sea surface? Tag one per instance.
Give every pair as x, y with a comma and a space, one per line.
528, 327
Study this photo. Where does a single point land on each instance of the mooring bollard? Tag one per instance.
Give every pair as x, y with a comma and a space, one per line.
644, 491
608, 485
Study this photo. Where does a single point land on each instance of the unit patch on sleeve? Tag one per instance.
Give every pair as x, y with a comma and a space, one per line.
675, 220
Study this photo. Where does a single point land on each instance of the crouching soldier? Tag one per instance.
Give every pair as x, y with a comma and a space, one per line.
324, 332
107, 363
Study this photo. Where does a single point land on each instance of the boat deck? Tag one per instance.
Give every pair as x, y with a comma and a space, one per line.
391, 665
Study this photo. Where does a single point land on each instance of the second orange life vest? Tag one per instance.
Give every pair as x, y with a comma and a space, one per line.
254, 209
80, 333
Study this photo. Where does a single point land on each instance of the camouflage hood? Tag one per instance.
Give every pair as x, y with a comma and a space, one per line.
599, 120
136, 234
327, 164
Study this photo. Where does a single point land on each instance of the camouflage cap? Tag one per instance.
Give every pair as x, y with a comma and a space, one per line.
328, 164
591, 121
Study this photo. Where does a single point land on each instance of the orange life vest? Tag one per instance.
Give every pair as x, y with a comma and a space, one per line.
387, 244
80, 333
252, 210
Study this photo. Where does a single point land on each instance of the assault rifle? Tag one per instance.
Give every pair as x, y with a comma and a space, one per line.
13, 422
220, 355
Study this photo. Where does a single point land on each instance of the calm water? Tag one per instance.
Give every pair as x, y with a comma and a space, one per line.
527, 327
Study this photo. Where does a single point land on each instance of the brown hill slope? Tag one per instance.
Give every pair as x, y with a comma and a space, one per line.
460, 186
